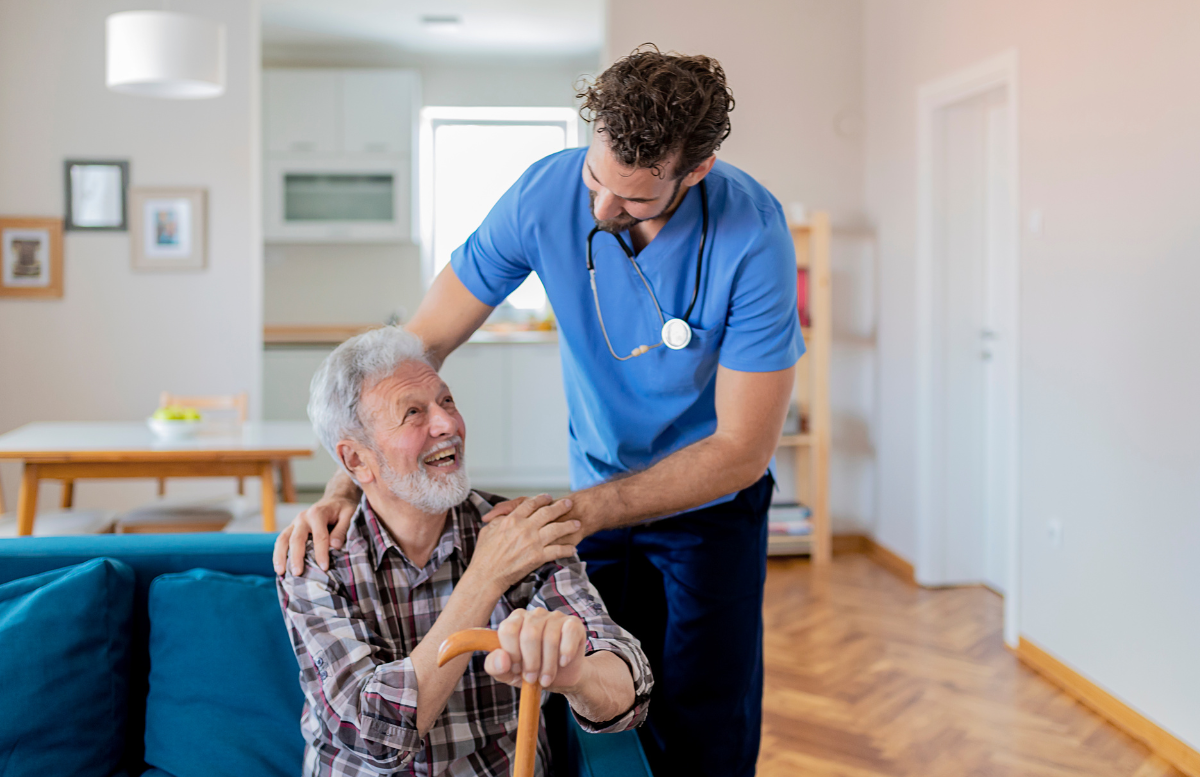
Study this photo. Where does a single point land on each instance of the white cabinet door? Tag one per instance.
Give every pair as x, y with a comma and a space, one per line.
303, 111
476, 377
378, 111
538, 407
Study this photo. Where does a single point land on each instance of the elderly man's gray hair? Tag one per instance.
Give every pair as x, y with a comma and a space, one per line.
354, 367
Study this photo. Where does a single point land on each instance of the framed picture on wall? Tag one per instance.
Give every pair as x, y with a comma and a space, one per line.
31, 257
168, 228
96, 194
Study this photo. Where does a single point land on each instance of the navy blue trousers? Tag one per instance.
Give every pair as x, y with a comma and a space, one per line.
690, 588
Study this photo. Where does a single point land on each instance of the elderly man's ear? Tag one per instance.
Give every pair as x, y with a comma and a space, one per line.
358, 460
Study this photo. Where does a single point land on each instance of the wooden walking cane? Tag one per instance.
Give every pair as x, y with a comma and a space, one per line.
530, 709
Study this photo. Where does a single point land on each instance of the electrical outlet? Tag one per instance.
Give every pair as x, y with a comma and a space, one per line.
1054, 531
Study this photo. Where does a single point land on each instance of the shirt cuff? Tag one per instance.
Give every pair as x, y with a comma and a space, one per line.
642, 683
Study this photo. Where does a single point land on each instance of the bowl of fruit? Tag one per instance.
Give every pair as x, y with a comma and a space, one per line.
174, 422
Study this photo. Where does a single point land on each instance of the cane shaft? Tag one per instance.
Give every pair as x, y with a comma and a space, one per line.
530, 709
527, 729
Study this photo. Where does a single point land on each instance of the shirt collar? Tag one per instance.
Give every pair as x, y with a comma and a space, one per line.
381, 539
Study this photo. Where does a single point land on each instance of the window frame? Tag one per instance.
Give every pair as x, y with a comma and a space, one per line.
433, 117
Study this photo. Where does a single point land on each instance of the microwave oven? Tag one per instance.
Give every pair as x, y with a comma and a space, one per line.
337, 200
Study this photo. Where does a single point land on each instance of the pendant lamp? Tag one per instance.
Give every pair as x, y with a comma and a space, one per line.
165, 54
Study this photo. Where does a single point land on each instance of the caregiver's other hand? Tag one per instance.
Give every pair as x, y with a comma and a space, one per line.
539, 646
335, 511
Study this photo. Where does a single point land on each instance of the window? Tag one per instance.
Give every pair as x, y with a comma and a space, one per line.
469, 158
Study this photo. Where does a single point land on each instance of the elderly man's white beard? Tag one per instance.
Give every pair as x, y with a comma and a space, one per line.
424, 492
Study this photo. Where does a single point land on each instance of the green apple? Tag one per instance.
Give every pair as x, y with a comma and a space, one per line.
176, 413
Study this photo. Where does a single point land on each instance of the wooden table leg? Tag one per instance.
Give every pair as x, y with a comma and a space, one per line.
27, 500
267, 472
287, 484
68, 494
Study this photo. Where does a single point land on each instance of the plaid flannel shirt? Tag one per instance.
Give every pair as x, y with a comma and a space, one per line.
353, 628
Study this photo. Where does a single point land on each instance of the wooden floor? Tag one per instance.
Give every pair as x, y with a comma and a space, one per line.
868, 675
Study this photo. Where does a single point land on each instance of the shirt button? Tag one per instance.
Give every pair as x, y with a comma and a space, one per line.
324, 675
320, 662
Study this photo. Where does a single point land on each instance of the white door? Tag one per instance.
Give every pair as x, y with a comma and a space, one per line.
971, 243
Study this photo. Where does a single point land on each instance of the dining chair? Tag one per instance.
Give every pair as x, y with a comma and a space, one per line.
59, 523
238, 403
197, 515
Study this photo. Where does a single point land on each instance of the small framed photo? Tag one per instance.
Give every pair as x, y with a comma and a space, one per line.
96, 194
169, 229
32, 261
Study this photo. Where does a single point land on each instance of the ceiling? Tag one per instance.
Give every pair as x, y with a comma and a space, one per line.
489, 27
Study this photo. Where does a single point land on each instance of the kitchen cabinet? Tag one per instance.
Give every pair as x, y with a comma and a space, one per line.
339, 155
300, 113
510, 396
339, 111
378, 111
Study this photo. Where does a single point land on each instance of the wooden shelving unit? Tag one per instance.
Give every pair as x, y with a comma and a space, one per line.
811, 447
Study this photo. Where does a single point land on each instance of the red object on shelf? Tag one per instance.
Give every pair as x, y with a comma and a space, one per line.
802, 296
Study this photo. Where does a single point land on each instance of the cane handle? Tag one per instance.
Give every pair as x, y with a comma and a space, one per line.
471, 640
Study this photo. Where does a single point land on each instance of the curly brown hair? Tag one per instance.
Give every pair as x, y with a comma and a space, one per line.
650, 105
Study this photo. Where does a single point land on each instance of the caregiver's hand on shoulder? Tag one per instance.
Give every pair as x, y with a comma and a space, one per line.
335, 511
539, 646
513, 545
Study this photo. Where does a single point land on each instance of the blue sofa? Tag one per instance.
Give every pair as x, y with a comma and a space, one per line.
166, 656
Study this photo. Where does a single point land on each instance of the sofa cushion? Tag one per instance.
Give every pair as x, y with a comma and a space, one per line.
224, 695
64, 646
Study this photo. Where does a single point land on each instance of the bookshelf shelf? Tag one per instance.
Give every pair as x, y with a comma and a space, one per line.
810, 449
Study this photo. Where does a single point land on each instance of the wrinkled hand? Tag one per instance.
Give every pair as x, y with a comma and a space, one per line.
314, 522
539, 646
513, 545
576, 514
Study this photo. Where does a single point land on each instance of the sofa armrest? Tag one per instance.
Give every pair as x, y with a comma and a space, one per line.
598, 755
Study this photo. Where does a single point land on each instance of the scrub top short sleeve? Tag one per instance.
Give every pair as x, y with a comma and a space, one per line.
762, 332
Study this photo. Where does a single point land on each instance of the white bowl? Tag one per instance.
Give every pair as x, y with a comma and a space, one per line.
173, 429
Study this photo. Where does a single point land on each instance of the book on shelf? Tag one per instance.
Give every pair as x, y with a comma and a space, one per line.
789, 519
789, 528
802, 297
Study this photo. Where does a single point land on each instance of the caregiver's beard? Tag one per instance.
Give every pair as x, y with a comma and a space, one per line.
622, 223
428, 493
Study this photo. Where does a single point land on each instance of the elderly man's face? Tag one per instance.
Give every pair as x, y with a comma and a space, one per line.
419, 433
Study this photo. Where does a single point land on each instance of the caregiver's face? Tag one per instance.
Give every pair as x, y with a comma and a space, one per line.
623, 196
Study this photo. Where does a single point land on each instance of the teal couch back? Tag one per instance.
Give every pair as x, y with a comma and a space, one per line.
585, 755
149, 556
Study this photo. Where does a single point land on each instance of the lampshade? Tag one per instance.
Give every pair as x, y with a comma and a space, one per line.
164, 54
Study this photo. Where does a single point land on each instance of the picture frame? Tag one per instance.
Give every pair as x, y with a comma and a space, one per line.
168, 228
96, 193
31, 257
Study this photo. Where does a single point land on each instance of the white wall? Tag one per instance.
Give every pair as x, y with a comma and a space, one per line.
795, 69
117, 338
1109, 424
364, 283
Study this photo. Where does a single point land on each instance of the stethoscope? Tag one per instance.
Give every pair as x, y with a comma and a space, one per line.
676, 332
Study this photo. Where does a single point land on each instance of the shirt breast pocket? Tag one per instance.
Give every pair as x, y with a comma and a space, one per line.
688, 370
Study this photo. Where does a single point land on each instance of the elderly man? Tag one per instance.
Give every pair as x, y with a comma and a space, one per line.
419, 564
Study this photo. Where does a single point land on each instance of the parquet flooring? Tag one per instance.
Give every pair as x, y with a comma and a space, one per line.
869, 676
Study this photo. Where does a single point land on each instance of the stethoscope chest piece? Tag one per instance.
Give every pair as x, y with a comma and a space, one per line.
676, 334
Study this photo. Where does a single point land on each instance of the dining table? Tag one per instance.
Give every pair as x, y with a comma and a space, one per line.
80, 450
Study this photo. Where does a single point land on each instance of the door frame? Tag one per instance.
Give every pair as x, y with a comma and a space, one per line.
999, 71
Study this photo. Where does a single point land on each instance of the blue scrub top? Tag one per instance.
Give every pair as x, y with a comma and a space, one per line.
625, 416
